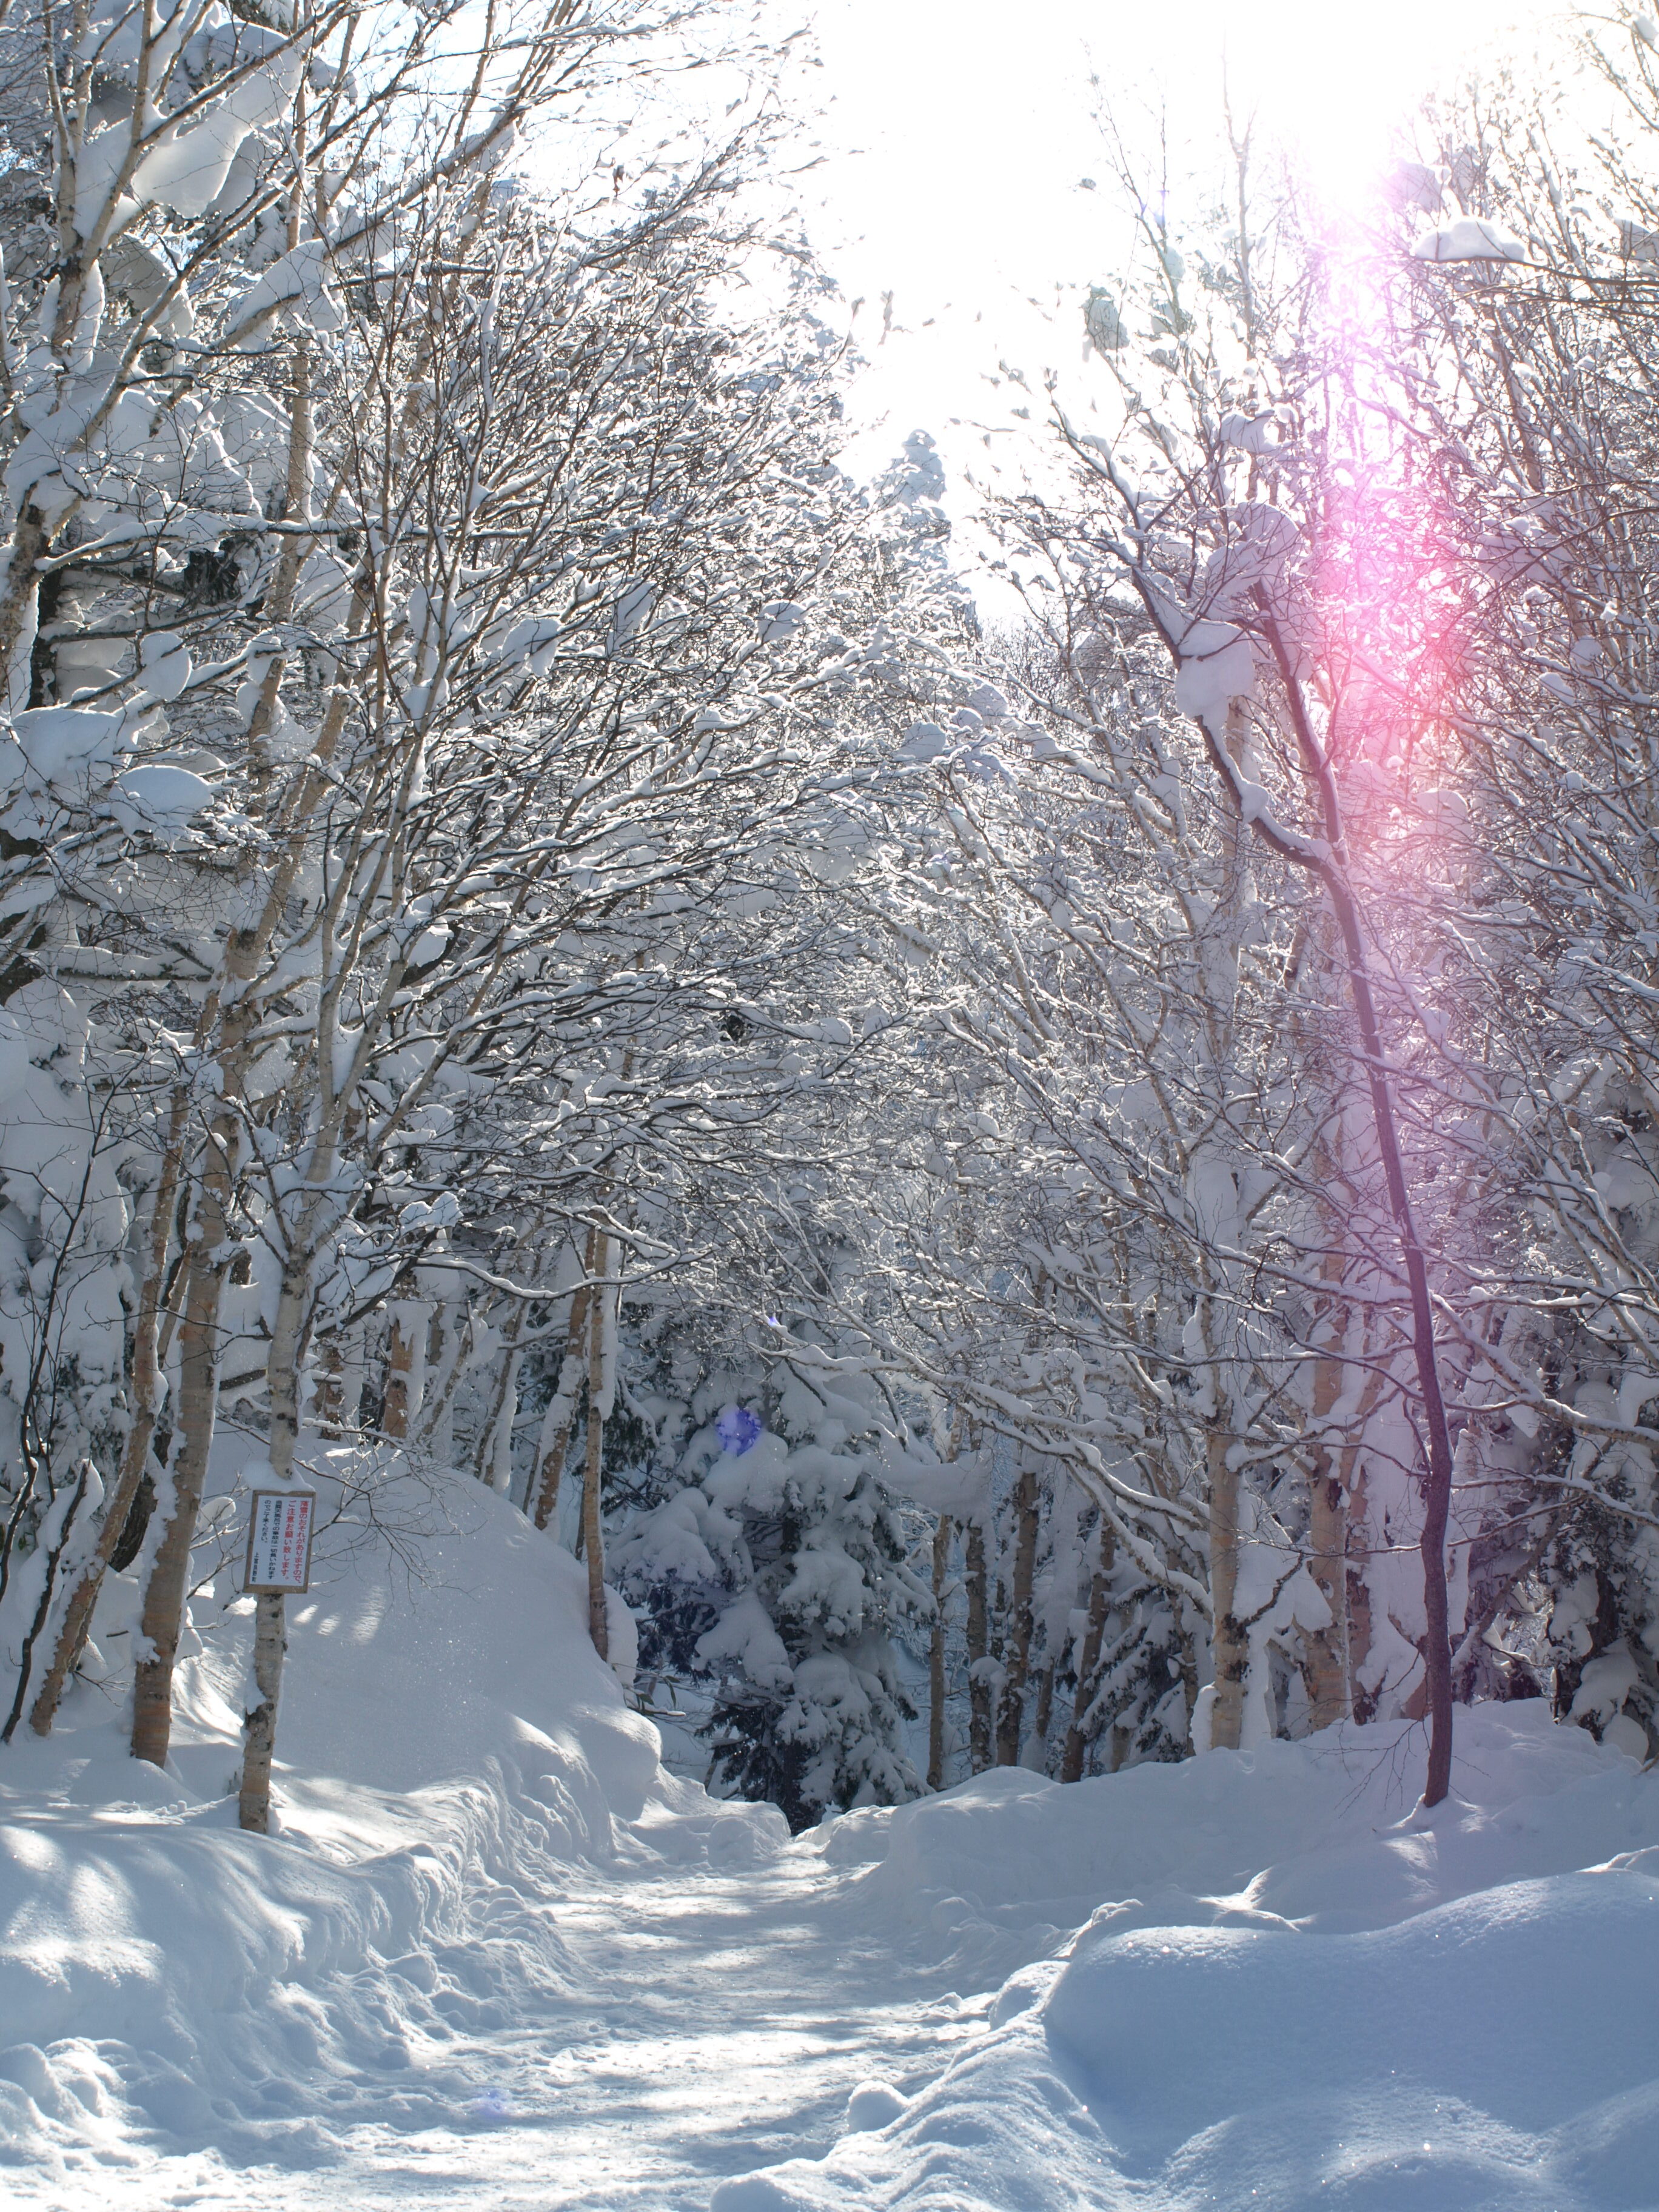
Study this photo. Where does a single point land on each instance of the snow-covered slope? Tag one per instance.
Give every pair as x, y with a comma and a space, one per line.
448, 1746
1294, 1996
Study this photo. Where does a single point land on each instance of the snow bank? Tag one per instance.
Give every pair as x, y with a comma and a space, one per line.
449, 1748
1300, 1993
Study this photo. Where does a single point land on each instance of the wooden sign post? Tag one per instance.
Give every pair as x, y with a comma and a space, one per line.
279, 1531
280, 1525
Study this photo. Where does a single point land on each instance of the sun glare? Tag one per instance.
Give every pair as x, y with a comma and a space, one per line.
1339, 85
967, 195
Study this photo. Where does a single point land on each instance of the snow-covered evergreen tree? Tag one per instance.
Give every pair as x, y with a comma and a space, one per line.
780, 1535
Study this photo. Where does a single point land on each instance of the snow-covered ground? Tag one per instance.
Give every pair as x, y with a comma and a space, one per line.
1291, 1996
499, 1957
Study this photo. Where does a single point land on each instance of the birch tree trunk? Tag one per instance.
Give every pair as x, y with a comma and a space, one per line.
936, 1681
599, 1625
1077, 1740
405, 1344
1218, 1301
1328, 1653
1045, 1710
1012, 1715
1230, 1642
135, 1455
554, 1443
1361, 1704
1326, 1663
979, 1652
1380, 1084
500, 1444
493, 1462
436, 1431
161, 1621
270, 1649
228, 1008
283, 1372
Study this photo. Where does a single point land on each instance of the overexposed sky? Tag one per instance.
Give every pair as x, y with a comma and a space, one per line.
956, 134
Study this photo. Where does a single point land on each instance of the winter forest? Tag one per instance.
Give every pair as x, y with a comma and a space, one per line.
938, 1182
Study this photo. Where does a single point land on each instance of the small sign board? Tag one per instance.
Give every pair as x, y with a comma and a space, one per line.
280, 1525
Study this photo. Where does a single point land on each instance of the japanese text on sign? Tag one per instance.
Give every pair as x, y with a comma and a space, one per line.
279, 1540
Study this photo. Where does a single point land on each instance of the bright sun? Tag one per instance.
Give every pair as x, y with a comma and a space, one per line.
1336, 81
965, 160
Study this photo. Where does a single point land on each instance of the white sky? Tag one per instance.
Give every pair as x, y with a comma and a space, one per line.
956, 132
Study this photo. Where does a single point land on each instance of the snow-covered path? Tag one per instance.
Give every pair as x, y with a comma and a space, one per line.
500, 1958
714, 2022
727, 2019
695, 2003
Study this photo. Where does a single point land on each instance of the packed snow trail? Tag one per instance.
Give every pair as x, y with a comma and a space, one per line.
717, 2022
497, 1954
498, 1957
657, 2031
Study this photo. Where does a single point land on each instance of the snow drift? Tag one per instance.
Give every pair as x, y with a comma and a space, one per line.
449, 1748
1296, 1996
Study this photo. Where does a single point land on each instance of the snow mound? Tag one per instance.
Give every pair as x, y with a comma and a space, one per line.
874, 2104
1303, 1993
450, 1749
